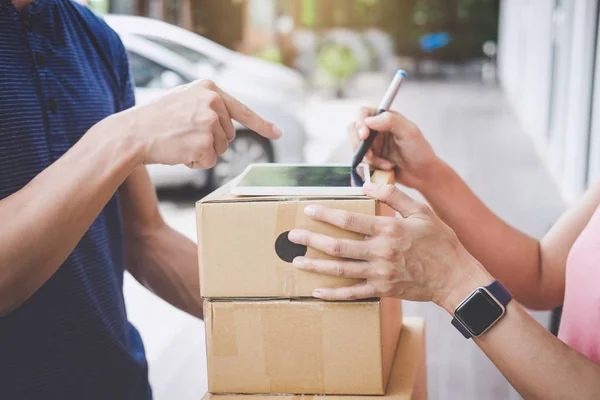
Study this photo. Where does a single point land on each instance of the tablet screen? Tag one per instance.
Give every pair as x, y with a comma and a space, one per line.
302, 176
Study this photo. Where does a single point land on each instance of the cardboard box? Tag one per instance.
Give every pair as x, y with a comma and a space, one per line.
243, 247
301, 346
408, 380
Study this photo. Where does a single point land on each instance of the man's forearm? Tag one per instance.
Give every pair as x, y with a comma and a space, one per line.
43, 222
535, 362
166, 262
510, 255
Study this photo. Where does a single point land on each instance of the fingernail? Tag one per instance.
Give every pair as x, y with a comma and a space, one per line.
370, 187
298, 262
369, 120
317, 293
294, 235
364, 131
311, 211
278, 132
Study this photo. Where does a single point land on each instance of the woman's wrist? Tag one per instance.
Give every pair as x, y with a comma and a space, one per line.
431, 176
469, 277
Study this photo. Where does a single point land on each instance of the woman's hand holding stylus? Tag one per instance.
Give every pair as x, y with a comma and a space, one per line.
400, 145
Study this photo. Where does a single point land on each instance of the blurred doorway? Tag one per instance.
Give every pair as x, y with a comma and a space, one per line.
562, 32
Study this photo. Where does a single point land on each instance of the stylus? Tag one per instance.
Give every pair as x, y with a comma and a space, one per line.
385, 104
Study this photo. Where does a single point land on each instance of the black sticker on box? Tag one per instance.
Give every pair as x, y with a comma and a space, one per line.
287, 250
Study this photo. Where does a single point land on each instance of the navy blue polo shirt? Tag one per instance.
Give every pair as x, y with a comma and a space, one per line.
62, 69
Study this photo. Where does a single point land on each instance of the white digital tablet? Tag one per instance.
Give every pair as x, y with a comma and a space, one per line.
301, 180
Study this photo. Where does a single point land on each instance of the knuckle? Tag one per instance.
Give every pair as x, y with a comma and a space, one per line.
337, 248
348, 220
208, 84
221, 147
213, 99
387, 119
389, 191
339, 270
309, 266
389, 228
212, 117
389, 254
412, 130
207, 141
245, 111
196, 155
422, 208
209, 160
384, 273
207, 118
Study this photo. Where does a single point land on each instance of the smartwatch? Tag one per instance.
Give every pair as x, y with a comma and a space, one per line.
481, 309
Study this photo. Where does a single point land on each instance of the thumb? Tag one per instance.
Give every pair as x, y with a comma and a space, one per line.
389, 121
393, 197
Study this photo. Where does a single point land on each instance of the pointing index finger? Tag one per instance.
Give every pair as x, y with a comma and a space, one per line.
249, 118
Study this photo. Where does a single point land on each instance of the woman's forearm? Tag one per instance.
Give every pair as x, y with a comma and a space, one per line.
510, 255
535, 362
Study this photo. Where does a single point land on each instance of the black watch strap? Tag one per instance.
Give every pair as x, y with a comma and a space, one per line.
496, 289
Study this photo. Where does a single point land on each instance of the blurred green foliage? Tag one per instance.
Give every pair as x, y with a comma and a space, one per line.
337, 63
309, 12
99, 6
270, 53
469, 23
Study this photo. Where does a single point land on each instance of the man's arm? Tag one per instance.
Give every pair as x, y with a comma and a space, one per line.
160, 258
534, 271
43, 222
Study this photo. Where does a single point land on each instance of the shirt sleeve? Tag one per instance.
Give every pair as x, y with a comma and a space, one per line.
127, 88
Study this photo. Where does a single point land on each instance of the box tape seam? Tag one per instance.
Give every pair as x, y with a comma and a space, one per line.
286, 220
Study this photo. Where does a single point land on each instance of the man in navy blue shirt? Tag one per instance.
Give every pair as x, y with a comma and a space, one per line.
77, 207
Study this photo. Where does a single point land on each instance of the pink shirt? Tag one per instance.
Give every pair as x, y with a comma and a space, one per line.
580, 322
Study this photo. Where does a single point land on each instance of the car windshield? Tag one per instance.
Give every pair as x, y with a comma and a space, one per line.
183, 51
148, 74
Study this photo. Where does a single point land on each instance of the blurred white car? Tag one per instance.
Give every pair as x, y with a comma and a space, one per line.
156, 70
216, 62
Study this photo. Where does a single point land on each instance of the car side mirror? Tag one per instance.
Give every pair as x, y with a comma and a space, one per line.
170, 79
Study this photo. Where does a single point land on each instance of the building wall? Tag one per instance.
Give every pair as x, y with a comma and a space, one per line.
547, 64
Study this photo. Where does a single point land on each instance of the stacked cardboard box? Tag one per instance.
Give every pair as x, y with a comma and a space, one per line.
408, 379
264, 333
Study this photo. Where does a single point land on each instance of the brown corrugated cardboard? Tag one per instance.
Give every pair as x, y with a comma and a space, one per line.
243, 247
408, 380
301, 346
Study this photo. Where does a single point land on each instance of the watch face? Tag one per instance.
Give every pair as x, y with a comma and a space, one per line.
478, 312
